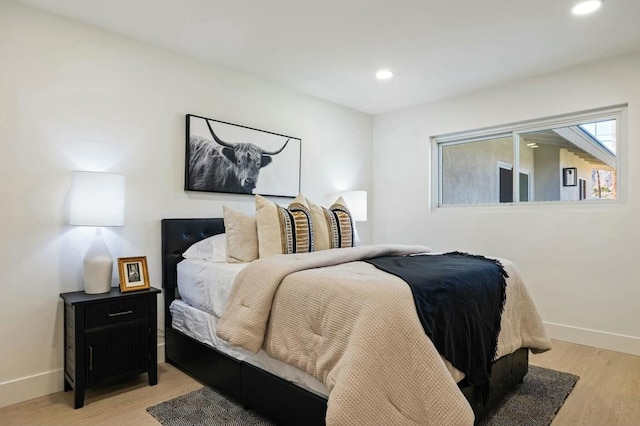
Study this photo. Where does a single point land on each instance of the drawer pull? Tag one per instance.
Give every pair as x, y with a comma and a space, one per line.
90, 358
117, 314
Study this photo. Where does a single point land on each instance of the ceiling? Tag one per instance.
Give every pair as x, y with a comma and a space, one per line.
331, 49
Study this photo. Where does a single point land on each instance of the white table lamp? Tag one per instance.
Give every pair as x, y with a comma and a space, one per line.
357, 203
97, 199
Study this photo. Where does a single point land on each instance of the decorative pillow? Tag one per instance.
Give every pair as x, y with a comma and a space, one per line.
340, 225
320, 226
283, 231
212, 249
242, 236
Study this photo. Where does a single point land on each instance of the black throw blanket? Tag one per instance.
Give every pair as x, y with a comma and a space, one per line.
459, 299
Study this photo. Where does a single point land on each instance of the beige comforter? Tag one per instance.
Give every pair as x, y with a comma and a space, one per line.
355, 328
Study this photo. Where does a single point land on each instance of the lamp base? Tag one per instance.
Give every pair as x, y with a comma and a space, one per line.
98, 267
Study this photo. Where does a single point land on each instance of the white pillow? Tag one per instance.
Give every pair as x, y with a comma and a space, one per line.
212, 249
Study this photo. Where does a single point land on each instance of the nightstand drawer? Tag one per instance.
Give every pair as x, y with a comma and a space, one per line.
113, 313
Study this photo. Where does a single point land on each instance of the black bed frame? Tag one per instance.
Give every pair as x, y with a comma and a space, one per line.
258, 390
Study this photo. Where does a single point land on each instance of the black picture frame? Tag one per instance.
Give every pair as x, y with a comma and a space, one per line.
569, 176
230, 158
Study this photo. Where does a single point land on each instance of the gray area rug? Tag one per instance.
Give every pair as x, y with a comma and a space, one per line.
536, 401
533, 403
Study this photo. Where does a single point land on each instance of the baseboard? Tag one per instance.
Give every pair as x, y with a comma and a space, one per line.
161, 357
599, 339
26, 388
30, 387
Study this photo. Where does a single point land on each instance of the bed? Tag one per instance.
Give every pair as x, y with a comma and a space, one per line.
260, 390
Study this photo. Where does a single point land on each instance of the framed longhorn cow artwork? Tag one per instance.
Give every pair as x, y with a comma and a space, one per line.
226, 157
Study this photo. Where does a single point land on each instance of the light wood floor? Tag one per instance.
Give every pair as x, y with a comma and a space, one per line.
608, 393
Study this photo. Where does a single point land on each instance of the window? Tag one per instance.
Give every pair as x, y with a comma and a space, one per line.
562, 159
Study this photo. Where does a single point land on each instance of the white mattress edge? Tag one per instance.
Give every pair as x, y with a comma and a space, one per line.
201, 326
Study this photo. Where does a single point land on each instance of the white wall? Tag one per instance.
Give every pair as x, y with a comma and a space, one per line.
73, 97
581, 265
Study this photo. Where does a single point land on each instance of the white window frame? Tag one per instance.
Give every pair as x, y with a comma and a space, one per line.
514, 130
530, 188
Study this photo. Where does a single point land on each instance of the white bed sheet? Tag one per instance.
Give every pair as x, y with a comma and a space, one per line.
201, 326
206, 285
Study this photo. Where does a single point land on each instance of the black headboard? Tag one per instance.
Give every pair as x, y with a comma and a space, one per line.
177, 236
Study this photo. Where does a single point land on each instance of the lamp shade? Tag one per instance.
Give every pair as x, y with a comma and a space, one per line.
357, 203
585, 7
97, 199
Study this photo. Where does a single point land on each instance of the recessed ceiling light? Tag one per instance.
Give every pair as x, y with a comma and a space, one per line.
384, 74
586, 7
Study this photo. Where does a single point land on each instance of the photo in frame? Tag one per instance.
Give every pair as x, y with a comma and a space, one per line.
134, 274
226, 157
570, 176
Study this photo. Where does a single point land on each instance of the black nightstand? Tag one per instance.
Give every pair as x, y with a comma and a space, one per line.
107, 336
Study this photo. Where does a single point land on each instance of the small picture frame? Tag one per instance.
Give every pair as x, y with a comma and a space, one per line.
569, 176
134, 274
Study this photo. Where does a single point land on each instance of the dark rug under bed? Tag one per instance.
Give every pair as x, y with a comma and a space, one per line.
533, 403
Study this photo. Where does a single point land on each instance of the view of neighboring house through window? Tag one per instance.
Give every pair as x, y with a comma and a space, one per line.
567, 159
470, 174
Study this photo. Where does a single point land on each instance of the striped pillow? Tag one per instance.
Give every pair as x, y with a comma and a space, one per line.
340, 225
283, 230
